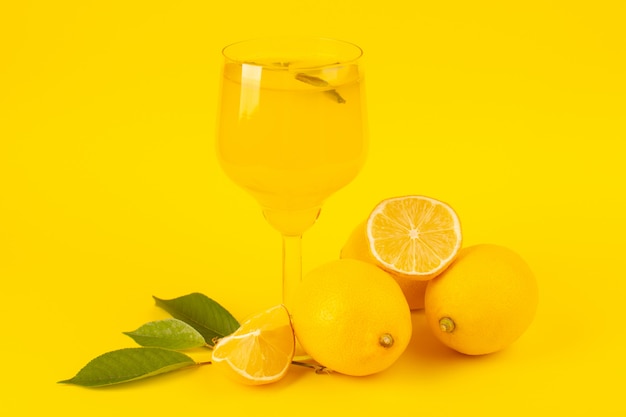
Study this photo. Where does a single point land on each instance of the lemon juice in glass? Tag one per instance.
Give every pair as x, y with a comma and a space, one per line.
291, 130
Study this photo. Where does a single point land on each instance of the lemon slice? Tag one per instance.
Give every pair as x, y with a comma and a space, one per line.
414, 236
260, 351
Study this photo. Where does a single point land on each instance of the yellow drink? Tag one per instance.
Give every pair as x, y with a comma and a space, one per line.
291, 130
291, 134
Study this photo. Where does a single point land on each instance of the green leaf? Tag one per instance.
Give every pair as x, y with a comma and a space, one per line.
169, 334
129, 364
209, 318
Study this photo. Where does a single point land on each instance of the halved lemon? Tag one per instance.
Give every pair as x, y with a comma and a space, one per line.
260, 351
414, 236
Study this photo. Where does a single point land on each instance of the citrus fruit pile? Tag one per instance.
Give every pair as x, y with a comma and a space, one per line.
353, 315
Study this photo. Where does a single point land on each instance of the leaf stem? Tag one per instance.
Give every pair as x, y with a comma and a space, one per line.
319, 369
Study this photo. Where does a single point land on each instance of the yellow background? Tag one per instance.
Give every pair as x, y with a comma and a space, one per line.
512, 112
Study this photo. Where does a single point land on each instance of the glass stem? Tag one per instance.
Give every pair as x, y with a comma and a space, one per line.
292, 267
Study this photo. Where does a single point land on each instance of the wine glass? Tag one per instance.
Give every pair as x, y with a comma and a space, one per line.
291, 130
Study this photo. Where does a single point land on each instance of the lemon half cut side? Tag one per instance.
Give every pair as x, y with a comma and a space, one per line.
414, 236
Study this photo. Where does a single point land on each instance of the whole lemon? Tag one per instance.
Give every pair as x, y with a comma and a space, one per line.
483, 302
351, 317
357, 247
